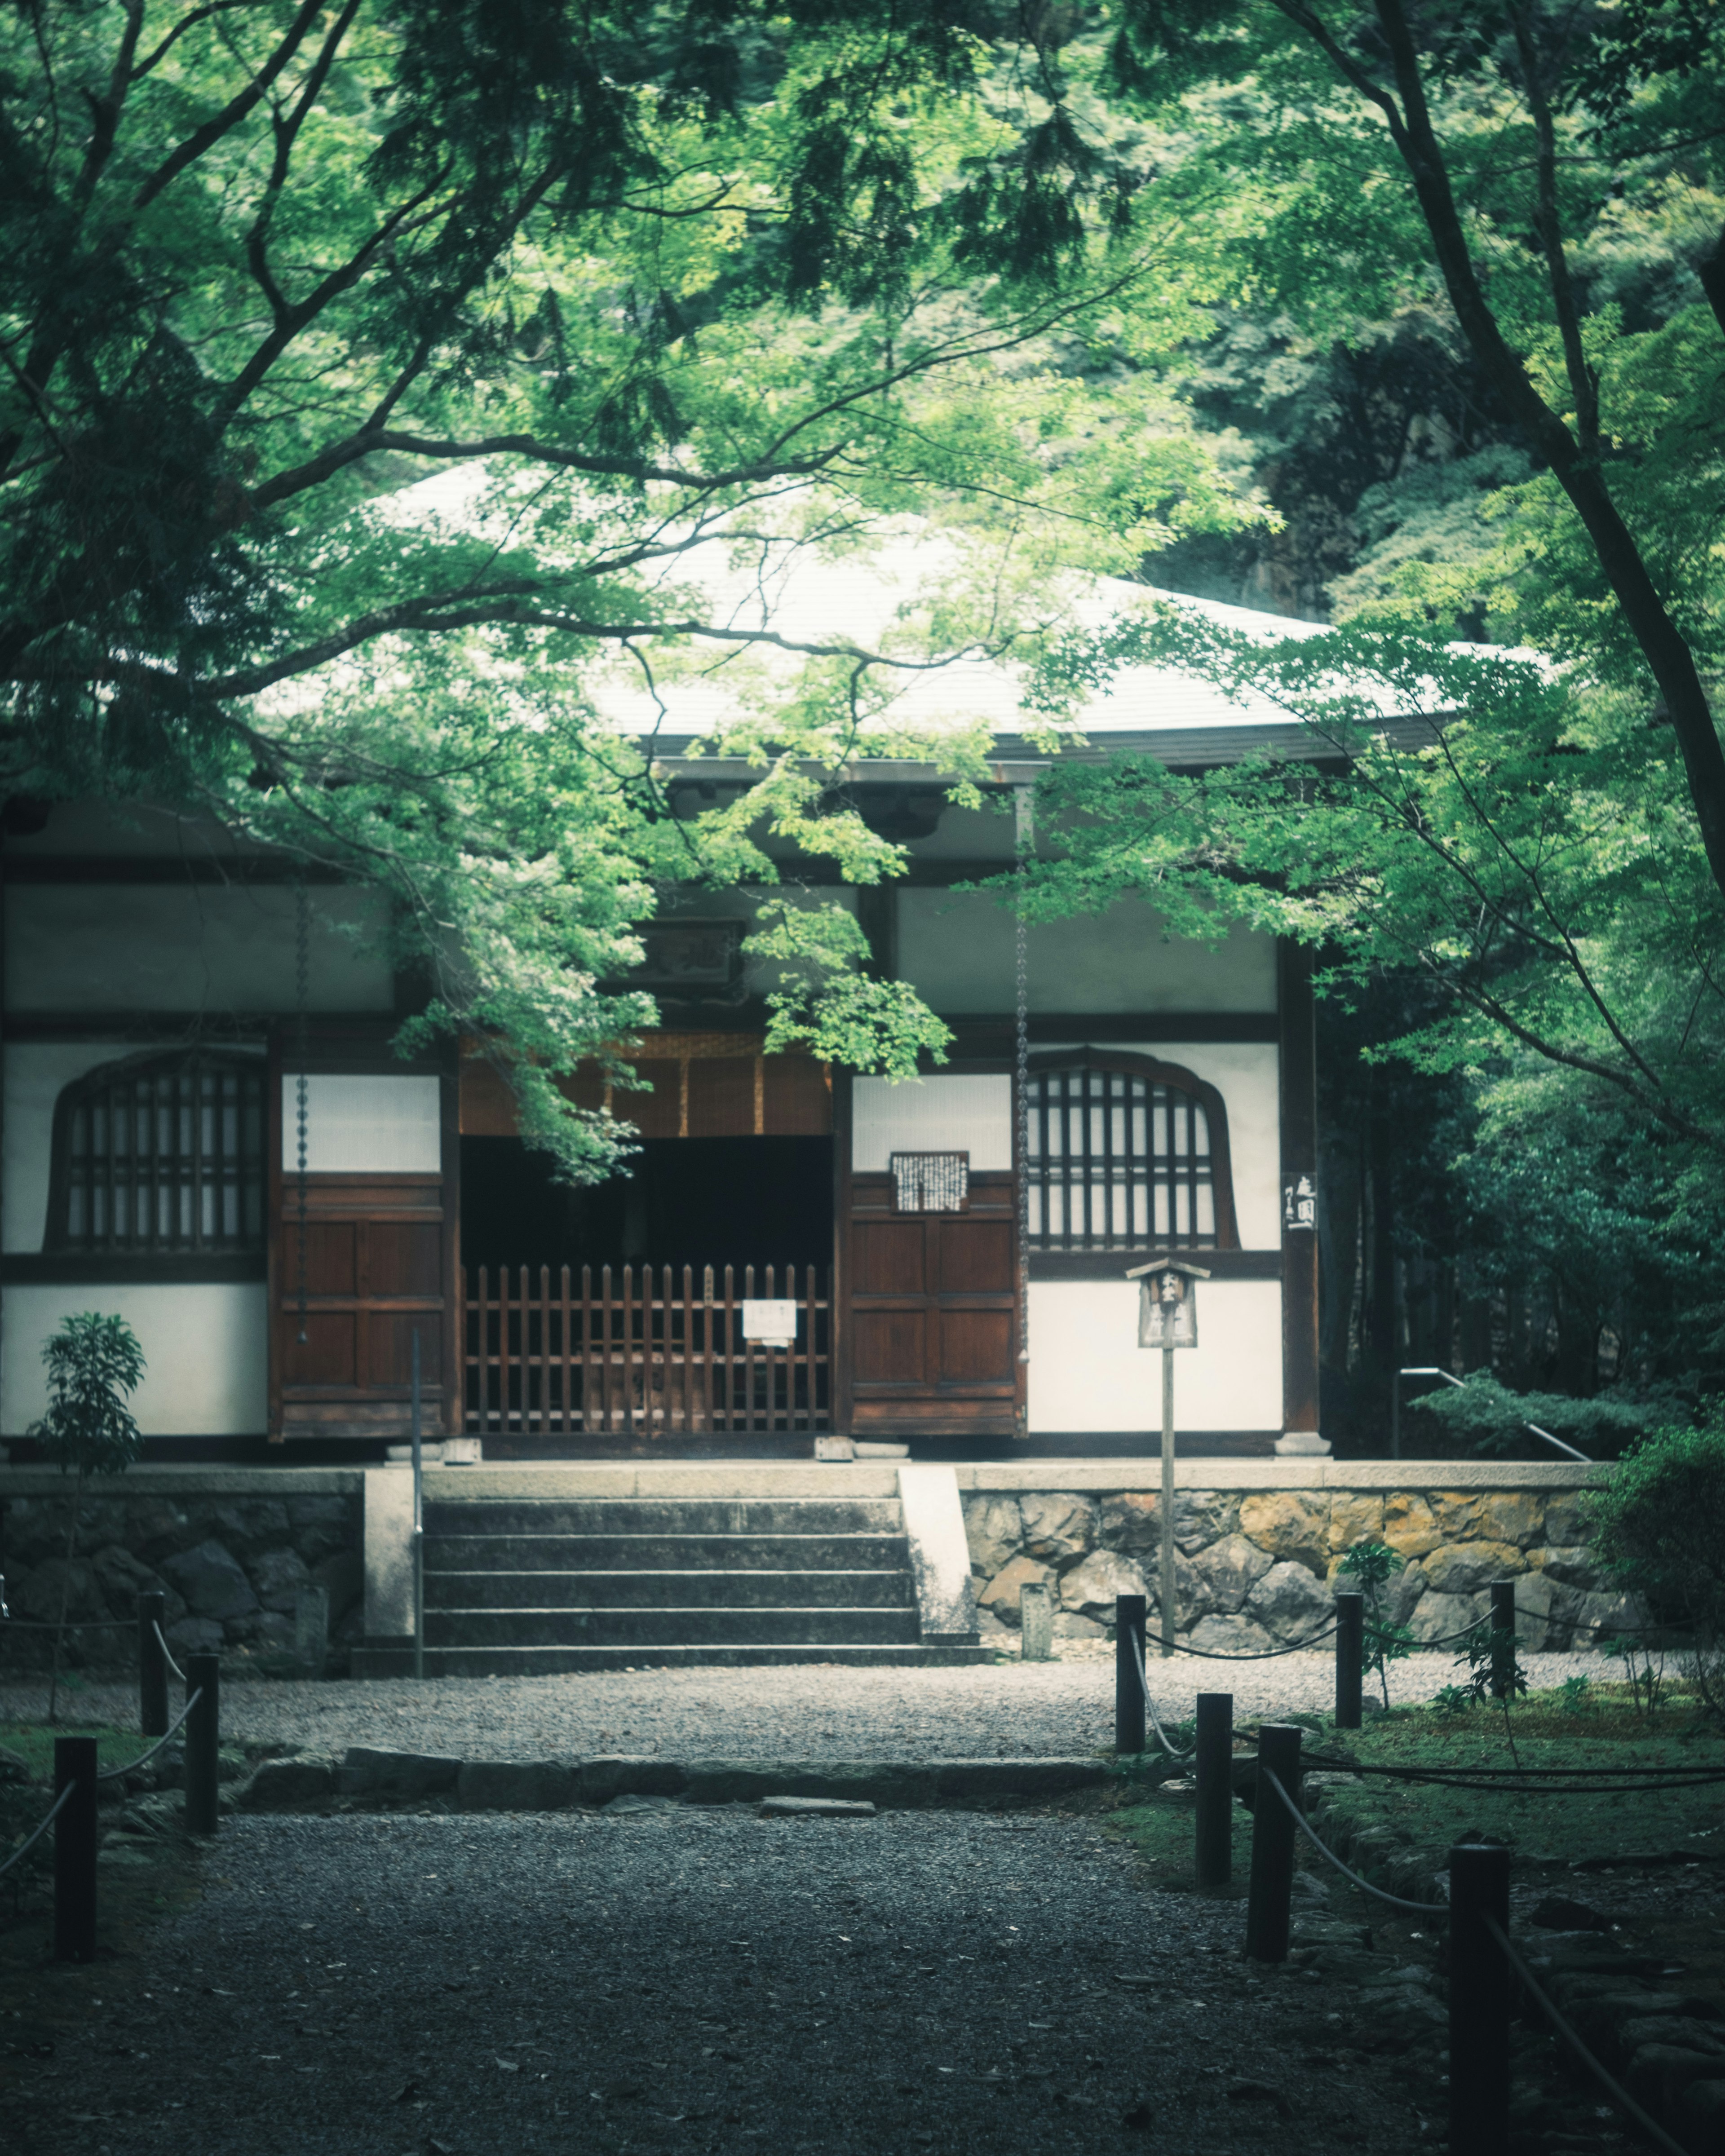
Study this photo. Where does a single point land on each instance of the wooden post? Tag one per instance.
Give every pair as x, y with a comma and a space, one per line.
1128, 1685
628, 1348
1169, 1612
1482, 1997
567, 1422
1503, 1636
1213, 1851
606, 1366
1350, 1656
1272, 1885
706, 1334
1298, 1101
74, 1850
730, 1422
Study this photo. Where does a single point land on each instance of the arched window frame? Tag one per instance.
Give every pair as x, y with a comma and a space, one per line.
170, 1200
1175, 1080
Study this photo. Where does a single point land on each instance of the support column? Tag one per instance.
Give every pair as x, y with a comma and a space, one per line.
1298, 1075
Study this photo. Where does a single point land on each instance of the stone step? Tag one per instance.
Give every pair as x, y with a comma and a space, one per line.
703, 1589
668, 1553
664, 1516
441, 1661
797, 1626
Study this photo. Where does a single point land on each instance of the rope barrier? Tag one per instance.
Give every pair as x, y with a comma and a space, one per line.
1444, 1640
1266, 1654
73, 1625
24, 1848
1395, 1901
1618, 2094
167, 1651
143, 1759
1155, 1718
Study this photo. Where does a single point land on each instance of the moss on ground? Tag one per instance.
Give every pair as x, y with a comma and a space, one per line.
32, 1742
1543, 1730
1159, 1827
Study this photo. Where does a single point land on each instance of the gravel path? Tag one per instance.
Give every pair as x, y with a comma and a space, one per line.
693, 1980
1001, 1710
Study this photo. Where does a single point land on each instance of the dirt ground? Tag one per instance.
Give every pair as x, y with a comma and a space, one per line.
693, 1978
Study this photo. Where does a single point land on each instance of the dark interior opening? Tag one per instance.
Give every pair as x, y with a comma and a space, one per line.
682, 1201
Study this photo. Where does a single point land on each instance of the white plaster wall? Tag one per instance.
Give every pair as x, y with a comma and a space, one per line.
1244, 1073
34, 1073
195, 947
941, 1114
1088, 1373
958, 949
206, 1346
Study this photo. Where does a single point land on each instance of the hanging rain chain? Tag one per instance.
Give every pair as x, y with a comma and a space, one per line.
302, 989
1024, 836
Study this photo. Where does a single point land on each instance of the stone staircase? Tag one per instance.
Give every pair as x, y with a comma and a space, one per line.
521, 1586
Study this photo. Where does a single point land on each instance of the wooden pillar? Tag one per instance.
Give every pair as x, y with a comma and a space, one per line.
1298, 1069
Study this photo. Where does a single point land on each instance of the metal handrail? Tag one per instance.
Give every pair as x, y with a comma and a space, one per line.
1431, 1370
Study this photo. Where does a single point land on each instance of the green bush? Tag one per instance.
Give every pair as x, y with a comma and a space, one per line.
1491, 1419
1660, 1525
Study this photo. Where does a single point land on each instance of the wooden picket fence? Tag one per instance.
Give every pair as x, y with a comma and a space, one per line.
638, 1356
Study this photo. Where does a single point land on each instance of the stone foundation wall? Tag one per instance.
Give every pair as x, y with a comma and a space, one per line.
1256, 1569
229, 1561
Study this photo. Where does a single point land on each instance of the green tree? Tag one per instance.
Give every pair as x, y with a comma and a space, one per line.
1495, 167
388, 390
95, 1364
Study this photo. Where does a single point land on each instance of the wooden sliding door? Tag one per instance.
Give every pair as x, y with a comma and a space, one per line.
927, 1304
373, 1261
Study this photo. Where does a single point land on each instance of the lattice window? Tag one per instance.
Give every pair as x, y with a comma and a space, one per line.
1119, 1158
161, 1153
930, 1182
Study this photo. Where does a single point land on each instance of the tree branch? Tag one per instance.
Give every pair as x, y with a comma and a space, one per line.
1584, 380
1668, 657
233, 112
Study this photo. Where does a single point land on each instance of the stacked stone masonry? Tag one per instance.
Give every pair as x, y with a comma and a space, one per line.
1258, 1569
229, 1567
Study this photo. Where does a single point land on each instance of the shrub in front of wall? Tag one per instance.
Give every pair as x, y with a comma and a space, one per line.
1659, 1529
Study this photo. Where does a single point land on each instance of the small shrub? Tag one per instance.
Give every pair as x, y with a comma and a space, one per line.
95, 1364
1453, 1699
1374, 1565
1575, 1694
1658, 1525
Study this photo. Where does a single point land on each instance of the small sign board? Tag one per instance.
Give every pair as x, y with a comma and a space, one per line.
773, 1324
1299, 1202
1168, 1303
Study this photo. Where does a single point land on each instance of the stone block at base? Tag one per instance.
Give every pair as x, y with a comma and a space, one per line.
290, 1785
404, 1776
813, 1808
515, 1785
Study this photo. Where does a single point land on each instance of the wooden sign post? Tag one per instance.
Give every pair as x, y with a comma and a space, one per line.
1168, 1319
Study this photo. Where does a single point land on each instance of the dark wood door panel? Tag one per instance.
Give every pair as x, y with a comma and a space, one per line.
889, 1347
329, 1354
392, 1348
977, 1347
332, 1257
888, 1257
975, 1256
404, 1258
